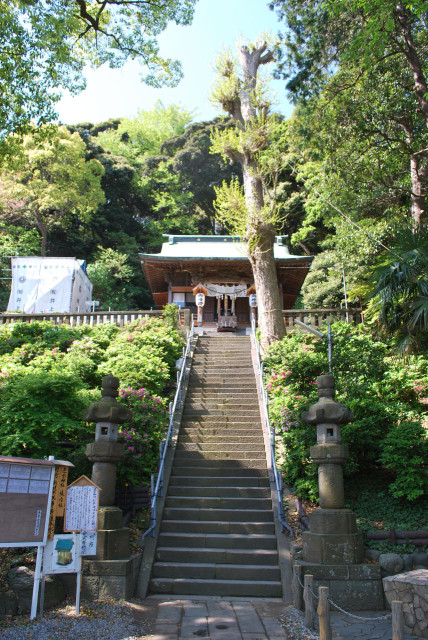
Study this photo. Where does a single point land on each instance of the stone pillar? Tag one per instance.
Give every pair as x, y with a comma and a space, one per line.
333, 547
113, 573
106, 452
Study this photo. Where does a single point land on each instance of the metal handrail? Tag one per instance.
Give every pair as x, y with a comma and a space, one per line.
157, 489
271, 432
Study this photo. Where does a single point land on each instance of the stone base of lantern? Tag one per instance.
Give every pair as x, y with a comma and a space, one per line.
110, 579
333, 538
113, 572
355, 587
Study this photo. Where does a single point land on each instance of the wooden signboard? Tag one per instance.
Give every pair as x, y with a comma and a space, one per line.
26, 487
59, 497
81, 512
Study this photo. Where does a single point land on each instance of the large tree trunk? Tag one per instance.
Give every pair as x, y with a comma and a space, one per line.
271, 320
260, 231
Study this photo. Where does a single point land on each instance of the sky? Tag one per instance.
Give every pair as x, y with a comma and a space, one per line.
119, 93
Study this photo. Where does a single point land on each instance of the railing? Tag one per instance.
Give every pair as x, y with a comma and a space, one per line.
317, 317
157, 488
75, 319
271, 432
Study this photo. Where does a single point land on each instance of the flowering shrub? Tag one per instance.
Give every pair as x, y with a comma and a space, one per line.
49, 374
142, 436
383, 393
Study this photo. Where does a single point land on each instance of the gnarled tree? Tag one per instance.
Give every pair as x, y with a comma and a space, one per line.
250, 212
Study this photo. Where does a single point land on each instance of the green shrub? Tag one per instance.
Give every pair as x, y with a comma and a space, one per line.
382, 392
38, 410
142, 436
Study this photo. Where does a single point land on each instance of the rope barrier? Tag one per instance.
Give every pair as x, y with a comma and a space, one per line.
386, 616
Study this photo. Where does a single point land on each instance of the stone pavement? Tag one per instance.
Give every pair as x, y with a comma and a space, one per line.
346, 628
242, 619
216, 619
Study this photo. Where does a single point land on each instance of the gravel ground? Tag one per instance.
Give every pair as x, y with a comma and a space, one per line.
97, 621
294, 625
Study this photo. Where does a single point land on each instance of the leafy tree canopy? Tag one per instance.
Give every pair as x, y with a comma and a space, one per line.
51, 184
45, 46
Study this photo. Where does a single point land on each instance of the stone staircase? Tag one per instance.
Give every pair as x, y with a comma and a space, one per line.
217, 534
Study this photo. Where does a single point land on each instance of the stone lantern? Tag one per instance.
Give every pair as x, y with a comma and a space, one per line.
106, 452
333, 550
113, 573
333, 536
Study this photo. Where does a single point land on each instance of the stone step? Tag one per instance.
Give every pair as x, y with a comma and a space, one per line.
215, 481
224, 387
233, 412
263, 546
212, 570
229, 515
223, 421
233, 456
222, 447
231, 588
216, 469
217, 502
217, 492
198, 526
203, 395
188, 459
203, 379
224, 405
198, 437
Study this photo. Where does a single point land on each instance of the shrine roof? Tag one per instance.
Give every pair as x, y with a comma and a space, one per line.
214, 247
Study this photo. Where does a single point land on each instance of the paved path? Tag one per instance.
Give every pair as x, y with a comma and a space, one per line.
218, 620
346, 628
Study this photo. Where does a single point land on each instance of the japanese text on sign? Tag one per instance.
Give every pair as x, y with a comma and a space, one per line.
82, 508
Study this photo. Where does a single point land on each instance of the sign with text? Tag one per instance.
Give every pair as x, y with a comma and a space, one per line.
59, 496
26, 486
200, 299
81, 513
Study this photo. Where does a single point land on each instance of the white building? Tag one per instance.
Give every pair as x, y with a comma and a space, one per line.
57, 285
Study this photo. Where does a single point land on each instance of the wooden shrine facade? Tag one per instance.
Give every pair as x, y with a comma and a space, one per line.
218, 267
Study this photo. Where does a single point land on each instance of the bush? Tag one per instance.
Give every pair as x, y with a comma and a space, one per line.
50, 374
382, 392
142, 436
39, 409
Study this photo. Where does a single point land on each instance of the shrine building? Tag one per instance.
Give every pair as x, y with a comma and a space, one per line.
218, 267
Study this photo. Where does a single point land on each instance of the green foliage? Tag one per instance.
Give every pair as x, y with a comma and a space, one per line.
53, 182
142, 136
142, 436
144, 356
405, 451
39, 409
376, 509
399, 297
50, 373
46, 45
382, 392
111, 278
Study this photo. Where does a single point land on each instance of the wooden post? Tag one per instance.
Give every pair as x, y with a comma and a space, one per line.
297, 588
324, 613
397, 620
308, 598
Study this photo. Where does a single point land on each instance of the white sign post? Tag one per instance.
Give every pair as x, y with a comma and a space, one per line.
200, 302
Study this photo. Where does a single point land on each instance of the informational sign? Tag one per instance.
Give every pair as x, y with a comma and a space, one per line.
26, 486
62, 555
253, 300
200, 299
88, 543
81, 512
59, 496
